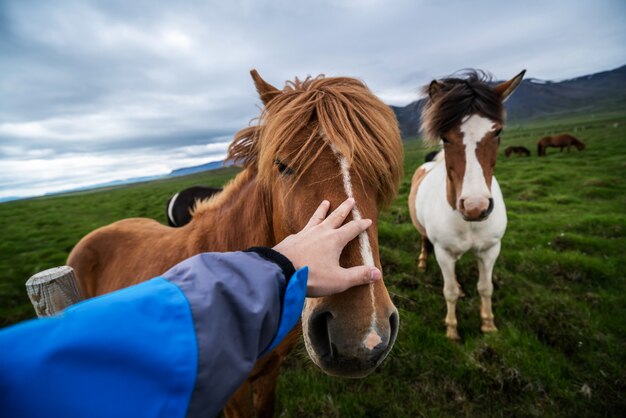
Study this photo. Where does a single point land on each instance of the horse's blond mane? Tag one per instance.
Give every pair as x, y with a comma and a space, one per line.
218, 199
339, 111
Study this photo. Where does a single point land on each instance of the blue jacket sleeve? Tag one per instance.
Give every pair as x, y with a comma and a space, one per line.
237, 316
174, 346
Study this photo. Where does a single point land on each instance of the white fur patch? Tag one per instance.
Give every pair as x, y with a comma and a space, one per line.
474, 129
170, 209
364, 242
372, 340
366, 249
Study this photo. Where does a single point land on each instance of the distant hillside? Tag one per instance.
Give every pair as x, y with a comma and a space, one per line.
174, 173
198, 168
536, 99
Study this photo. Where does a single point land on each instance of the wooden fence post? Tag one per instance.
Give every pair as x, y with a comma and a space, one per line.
53, 290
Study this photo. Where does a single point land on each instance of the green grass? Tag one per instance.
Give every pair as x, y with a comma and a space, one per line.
559, 296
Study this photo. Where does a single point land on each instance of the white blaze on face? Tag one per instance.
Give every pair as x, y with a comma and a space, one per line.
372, 339
474, 129
364, 241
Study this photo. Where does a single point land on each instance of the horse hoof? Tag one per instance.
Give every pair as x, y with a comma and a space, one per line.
453, 335
488, 328
421, 267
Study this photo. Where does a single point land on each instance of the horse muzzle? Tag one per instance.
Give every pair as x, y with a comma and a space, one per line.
341, 351
475, 212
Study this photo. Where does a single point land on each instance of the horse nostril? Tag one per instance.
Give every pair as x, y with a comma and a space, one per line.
320, 336
380, 351
394, 322
487, 211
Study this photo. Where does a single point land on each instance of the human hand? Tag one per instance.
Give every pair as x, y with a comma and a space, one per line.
319, 246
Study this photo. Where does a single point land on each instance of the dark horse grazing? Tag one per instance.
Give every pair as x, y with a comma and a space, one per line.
558, 141
180, 206
322, 138
521, 151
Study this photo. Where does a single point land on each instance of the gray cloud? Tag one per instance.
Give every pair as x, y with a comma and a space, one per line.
142, 81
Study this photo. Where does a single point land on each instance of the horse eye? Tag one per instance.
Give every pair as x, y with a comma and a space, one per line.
283, 168
496, 135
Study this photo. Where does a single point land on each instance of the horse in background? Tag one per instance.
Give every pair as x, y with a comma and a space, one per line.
431, 156
455, 201
559, 141
179, 207
321, 138
520, 151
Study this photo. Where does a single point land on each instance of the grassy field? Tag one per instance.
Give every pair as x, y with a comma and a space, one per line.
559, 299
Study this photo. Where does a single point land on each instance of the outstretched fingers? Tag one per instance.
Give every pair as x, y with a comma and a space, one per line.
336, 218
360, 275
352, 229
319, 215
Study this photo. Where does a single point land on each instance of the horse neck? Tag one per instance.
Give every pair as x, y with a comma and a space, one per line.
239, 219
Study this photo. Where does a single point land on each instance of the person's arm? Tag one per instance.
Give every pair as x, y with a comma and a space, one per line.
173, 346
180, 344
236, 301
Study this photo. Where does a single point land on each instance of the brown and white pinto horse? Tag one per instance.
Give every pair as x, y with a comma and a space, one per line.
455, 201
322, 138
558, 141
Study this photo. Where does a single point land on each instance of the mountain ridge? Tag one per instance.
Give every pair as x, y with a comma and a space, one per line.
536, 99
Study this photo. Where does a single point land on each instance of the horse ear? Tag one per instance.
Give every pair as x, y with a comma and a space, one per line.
507, 88
266, 91
434, 88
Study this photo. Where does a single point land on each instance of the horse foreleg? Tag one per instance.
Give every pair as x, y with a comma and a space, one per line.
255, 396
486, 261
421, 264
264, 388
246, 402
265, 375
451, 290
240, 404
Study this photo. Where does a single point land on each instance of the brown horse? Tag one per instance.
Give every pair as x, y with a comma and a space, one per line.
558, 141
322, 138
521, 151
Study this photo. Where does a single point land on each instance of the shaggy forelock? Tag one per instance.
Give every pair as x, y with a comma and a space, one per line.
337, 111
466, 94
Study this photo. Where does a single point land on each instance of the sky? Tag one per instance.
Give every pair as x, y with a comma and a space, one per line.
96, 91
